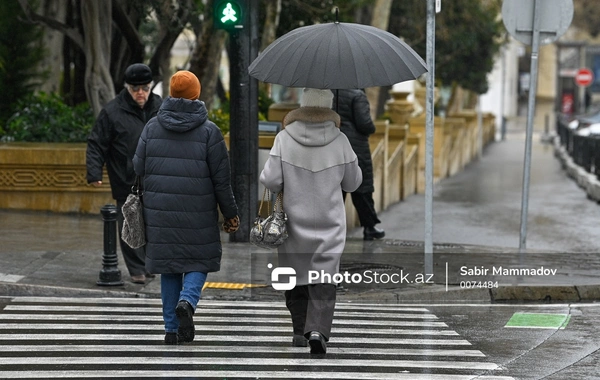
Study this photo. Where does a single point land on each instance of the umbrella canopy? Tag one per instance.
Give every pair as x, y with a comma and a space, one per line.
337, 55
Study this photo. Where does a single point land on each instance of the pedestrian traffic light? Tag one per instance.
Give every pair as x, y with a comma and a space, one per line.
229, 14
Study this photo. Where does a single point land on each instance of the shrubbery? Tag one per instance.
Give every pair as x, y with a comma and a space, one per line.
45, 118
220, 115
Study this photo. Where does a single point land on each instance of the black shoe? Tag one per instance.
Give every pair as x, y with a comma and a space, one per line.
371, 233
171, 338
317, 343
299, 341
185, 312
138, 279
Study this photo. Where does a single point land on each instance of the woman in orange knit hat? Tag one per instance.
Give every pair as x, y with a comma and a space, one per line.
184, 161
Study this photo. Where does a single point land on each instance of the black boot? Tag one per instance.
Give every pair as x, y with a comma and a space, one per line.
371, 233
171, 338
185, 313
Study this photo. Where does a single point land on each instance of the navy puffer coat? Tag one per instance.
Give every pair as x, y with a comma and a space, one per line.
183, 159
357, 125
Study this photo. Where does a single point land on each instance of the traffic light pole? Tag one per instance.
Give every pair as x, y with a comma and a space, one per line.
243, 133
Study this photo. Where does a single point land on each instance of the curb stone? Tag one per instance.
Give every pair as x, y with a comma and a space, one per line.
589, 292
28, 290
537, 293
426, 294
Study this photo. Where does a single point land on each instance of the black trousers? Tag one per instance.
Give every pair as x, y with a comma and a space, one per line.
311, 307
365, 208
135, 258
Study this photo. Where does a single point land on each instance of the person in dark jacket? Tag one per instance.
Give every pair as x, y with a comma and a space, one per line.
353, 108
113, 140
184, 161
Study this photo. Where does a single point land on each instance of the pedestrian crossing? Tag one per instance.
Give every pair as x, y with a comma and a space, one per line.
104, 338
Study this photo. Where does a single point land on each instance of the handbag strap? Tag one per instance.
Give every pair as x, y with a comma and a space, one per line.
266, 193
278, 201
135, 188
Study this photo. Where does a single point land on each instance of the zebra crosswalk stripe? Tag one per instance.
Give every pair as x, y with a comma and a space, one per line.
111, 338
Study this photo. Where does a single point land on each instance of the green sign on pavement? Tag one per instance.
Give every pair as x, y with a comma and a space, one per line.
538, 320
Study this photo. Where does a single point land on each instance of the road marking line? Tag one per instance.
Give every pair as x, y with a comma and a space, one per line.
4, 277
5, 338
201, 310
277, 362
245, 374
212, 327
239, 349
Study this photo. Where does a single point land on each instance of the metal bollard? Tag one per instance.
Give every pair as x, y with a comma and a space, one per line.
110, 275
546, 137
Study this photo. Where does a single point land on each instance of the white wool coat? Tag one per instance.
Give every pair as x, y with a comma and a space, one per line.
312, 162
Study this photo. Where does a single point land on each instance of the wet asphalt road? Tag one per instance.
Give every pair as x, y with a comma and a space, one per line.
482, 204
119, 338
531, 352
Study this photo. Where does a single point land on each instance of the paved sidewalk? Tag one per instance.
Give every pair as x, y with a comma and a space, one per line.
61, 255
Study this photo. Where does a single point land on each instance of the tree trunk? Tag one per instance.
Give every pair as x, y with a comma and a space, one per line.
97, 21
206, 59
53, 41
171, 25
127, 46
380, 19
273, 10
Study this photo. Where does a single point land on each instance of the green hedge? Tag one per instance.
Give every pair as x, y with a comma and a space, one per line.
45, 118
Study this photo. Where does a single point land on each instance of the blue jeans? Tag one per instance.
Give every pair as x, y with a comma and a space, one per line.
175, 287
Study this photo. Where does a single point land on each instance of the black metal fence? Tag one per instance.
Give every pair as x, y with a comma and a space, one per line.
584, 150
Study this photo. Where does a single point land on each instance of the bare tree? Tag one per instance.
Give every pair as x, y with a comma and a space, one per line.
96, 17
210, 43
171, 20
107, 50
272, 12
98, 81
53, 41
126, 44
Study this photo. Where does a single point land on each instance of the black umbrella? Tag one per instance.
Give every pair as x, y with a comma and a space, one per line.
337, 55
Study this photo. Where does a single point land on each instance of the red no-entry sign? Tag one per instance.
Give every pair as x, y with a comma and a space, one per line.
584, 77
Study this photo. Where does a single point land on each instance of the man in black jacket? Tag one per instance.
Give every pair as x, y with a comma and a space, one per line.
113, 141
353, 108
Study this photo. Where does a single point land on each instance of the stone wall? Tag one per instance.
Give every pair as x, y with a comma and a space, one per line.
48, 177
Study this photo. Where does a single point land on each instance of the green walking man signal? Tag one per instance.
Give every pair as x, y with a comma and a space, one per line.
228, 14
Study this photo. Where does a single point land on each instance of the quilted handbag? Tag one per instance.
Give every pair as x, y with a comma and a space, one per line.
134, 230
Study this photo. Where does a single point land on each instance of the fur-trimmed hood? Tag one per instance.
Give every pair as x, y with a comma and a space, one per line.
312, 126
311, 115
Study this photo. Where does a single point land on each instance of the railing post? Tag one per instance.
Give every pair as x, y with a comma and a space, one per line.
110, 275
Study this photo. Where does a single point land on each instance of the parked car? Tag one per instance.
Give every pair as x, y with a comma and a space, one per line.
590, 130
578, 122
